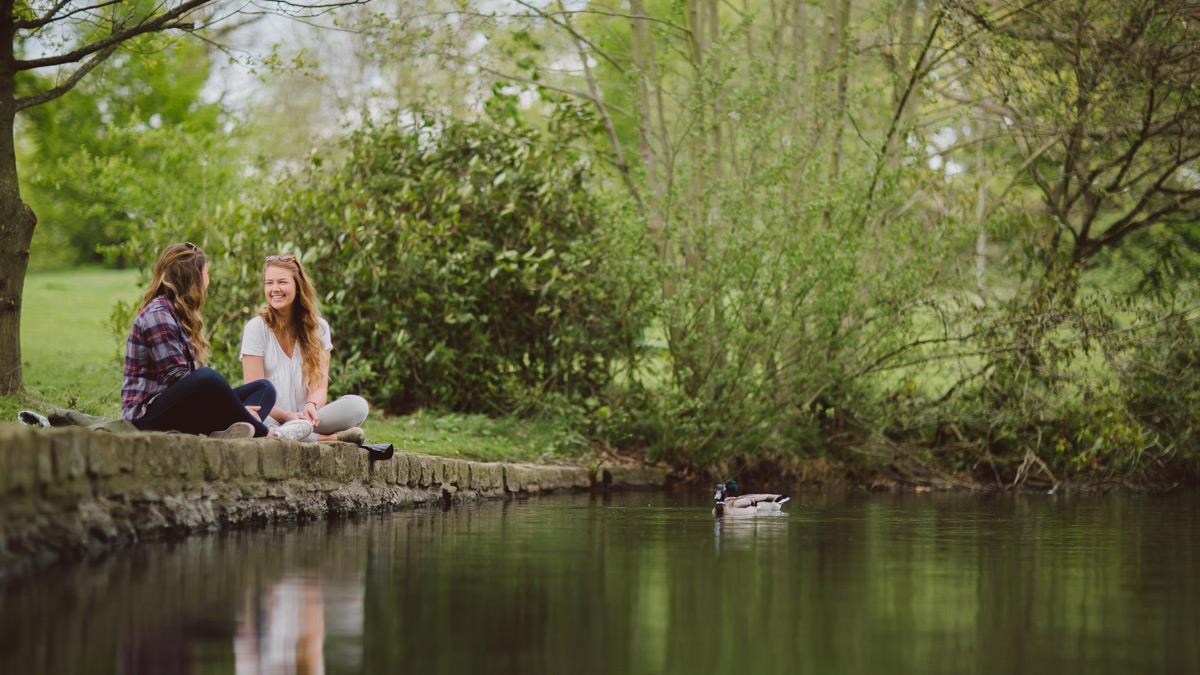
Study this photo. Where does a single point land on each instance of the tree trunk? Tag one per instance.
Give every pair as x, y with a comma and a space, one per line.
829, 45
800, 65
902, 67
904, 50
981, 243
16, 232
697, 143
800, 82
713, 70
843, 61
980, 129
641, 42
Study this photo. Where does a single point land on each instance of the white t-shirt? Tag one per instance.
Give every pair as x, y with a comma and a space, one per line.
284, 372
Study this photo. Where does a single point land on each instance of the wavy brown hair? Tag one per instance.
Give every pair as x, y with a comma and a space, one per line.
303, 326
178, 275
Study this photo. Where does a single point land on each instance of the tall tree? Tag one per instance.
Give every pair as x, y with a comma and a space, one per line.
1101, 99
70, 38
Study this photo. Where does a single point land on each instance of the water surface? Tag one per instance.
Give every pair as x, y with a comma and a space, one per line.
643, 583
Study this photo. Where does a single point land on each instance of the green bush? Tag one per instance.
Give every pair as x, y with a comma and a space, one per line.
1070, 386
1161, 380
462, 266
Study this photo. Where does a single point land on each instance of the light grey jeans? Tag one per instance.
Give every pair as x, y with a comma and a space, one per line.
348, 411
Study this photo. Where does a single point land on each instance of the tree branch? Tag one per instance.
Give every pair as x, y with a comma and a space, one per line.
51, 94
164, 21
168, 20
1125, 160
1025, 166
45, 18
598, 101
879, 366
566, 25
682, 30
1127, 223
1114, 234
314, 5
917, 74
51, 15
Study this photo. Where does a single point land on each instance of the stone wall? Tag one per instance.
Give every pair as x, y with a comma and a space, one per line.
70, 492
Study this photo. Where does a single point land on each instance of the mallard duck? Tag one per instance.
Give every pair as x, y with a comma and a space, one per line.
729, 503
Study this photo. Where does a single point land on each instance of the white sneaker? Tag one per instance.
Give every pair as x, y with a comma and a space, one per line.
294, 430
32, 419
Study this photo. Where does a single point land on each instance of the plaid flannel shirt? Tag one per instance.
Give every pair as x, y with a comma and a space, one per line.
157, 355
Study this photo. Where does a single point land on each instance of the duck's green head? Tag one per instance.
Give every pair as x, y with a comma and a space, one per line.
727, 489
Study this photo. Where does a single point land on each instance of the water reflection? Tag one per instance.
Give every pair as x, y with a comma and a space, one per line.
748, 531
282, 630
642, 584
168, 652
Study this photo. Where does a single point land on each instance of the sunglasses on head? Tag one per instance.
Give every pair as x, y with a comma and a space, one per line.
281, 258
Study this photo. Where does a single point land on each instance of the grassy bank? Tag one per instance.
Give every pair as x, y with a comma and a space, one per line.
72, 358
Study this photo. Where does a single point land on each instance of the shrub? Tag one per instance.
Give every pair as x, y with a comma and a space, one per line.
1160, 375
463, 266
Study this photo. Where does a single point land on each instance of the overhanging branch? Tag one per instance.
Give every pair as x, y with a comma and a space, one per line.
165, 21
1114, 234
52, 15
917, 73
51, 94
1129, 221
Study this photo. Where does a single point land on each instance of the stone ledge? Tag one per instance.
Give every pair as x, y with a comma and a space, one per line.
70, 492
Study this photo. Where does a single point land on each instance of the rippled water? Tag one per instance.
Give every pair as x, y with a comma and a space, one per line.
643, 583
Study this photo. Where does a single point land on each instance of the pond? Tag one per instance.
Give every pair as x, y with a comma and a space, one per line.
643, 583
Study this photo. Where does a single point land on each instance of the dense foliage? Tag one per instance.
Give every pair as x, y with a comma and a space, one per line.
776, 313
463, 266
121, 154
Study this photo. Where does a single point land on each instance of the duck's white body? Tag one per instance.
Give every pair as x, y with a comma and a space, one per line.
749, 505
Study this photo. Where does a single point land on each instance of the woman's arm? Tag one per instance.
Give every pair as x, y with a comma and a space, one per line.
253, 369
320, 393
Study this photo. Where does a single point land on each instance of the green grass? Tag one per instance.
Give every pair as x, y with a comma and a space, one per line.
72, 358
479, 437
69, 355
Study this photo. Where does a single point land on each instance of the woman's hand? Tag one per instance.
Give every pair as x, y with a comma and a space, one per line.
253, 410
310, 413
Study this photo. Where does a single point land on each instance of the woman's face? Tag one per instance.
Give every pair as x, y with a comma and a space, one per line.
204, 278
279, 287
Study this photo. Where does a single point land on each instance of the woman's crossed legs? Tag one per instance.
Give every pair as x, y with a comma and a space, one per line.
203, 402
346, 412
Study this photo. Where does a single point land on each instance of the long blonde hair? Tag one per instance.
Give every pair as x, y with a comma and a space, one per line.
303, 325
179, 275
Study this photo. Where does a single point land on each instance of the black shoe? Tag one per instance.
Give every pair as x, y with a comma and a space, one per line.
379, 451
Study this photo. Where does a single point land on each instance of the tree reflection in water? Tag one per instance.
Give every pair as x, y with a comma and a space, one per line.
643, 583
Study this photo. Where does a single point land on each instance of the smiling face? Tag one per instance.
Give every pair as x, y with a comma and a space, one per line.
280, 288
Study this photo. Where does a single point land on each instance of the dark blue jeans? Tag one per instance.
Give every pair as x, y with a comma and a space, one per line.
203, 402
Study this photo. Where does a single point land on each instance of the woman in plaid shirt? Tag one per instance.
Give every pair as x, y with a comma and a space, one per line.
164, 390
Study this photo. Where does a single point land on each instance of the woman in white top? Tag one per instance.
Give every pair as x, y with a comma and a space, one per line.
288, 343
